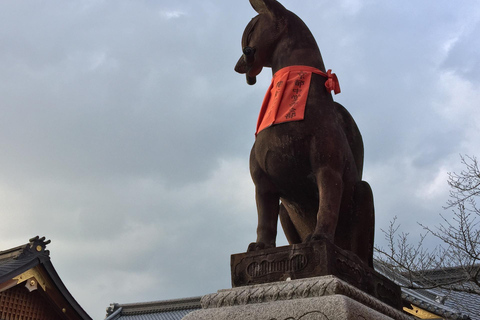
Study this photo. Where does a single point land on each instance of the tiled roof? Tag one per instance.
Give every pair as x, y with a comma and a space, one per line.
157, 310
449, 304
458, 298
22, 258
421, 299
16, 261
166, 315
466, 303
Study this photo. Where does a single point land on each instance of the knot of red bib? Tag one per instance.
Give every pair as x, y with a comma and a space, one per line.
332, 82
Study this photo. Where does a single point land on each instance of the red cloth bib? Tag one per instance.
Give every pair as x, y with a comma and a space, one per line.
287, 95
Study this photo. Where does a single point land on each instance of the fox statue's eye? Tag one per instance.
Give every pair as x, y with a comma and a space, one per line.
248, 51
249, 54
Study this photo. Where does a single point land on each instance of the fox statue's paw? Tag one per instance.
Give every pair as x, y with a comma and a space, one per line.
318, 236
255, 246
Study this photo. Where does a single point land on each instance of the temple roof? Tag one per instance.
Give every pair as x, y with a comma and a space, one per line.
32, 260
467, 305
156, 310
449, 304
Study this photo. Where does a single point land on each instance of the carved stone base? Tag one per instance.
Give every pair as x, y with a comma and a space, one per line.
319, 258
320, 298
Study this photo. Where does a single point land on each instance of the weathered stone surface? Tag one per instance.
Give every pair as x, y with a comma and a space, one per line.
313, 259
322, 298
335, 307
307, 172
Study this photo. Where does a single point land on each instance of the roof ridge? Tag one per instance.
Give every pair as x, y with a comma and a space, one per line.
12, 252
37, 246
164, 305
20, 260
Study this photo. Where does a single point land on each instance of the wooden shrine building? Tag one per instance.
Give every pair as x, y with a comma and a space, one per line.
30, 288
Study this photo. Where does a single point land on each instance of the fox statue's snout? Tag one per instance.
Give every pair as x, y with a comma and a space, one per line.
245, 63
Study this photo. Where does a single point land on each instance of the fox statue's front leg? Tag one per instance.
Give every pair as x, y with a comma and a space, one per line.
267, 200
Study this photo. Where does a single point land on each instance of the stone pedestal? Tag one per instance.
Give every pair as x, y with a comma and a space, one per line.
313, 259
320, 298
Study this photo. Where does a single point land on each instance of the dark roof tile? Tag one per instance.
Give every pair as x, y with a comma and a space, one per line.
157, 310
165, 315
449, 304
15, 261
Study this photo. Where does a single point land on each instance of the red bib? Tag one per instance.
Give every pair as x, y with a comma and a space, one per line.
287, 95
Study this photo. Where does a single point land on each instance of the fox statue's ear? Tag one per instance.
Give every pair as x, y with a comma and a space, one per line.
272, 7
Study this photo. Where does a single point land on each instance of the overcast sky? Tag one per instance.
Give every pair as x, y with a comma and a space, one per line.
125, 132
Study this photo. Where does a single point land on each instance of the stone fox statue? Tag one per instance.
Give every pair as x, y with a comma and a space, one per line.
307, 159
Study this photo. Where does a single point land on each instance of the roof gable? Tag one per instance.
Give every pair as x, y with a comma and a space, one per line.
29, 266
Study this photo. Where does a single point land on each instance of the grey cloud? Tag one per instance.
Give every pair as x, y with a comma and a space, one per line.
125, 134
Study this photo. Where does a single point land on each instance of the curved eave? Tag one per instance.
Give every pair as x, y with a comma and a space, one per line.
16, 266
414, 298
52, 273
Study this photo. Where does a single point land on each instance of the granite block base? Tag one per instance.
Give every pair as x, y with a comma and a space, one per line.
320, 298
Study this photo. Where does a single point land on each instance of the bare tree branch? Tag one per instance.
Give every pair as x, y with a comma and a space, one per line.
427, 268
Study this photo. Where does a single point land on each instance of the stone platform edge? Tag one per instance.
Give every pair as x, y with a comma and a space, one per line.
296, 289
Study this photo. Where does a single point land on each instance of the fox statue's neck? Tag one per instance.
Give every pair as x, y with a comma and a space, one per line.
296, 47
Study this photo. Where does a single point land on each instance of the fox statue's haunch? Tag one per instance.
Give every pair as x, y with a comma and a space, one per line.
307, 171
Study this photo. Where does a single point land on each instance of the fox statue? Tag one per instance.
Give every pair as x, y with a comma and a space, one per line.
307, 159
